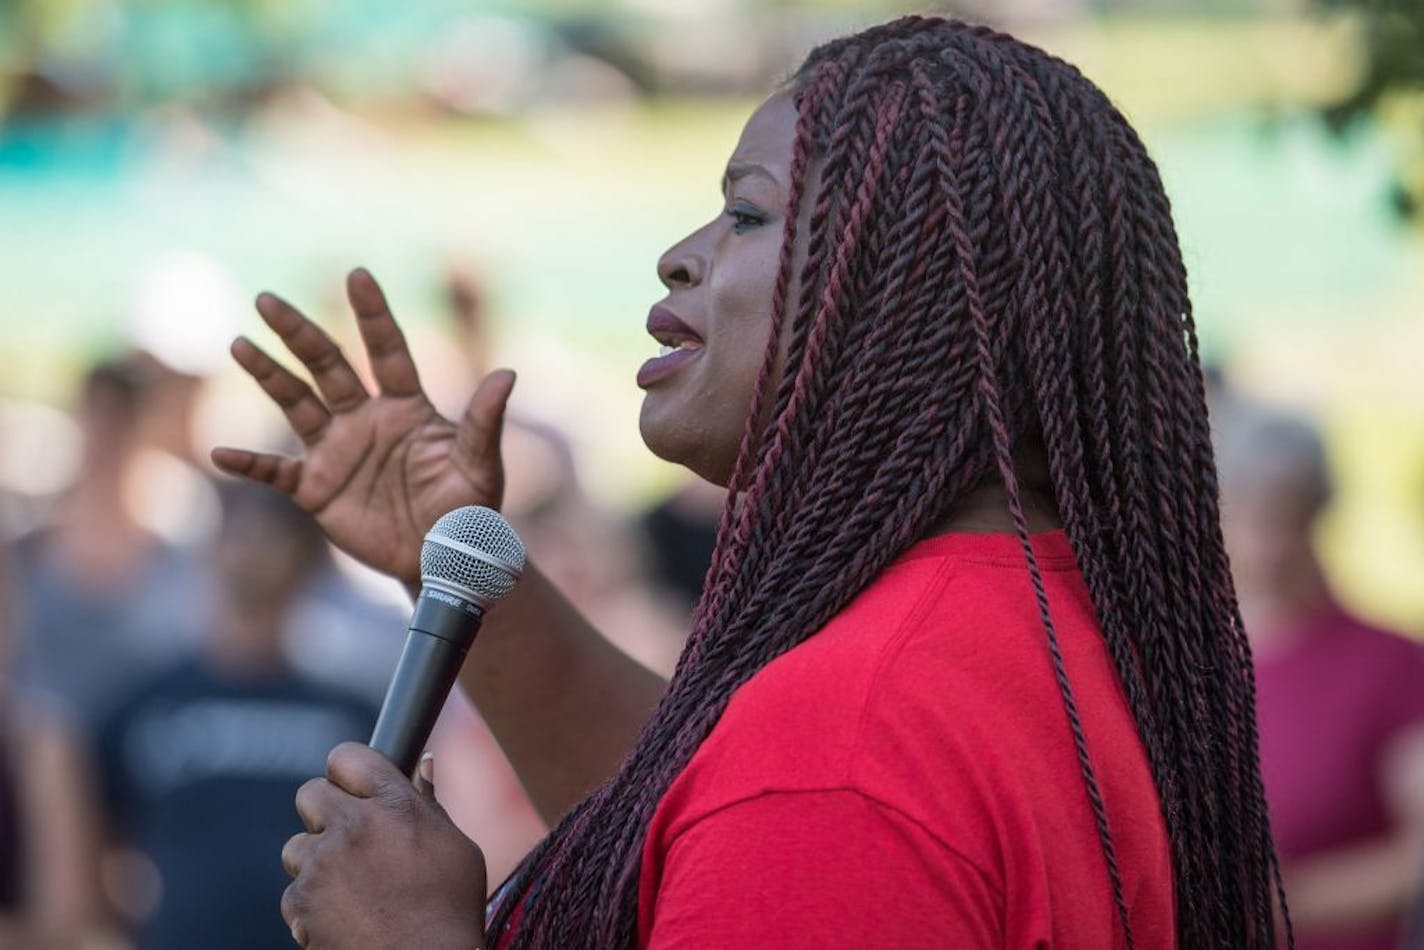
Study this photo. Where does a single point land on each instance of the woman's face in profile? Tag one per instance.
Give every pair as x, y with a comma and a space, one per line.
714, 321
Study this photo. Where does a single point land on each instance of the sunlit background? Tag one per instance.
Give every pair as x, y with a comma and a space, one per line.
163, 161
552, 150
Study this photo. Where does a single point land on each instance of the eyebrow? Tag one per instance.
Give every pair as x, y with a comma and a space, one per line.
739, 170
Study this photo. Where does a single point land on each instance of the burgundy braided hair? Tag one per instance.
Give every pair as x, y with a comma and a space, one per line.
991, 261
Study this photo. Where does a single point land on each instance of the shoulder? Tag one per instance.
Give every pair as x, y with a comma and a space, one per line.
944, 626
1392, 655
1392, 665
949, 606
1383, 642
793, 725
37, 718
27, 550
917, 668
842, 660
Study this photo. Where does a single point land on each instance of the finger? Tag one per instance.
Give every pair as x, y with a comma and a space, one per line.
292, 905
296, 852
318, 803
362, 771
483, 422
280, 472
425, 776
305, 413
335, 379
390, 358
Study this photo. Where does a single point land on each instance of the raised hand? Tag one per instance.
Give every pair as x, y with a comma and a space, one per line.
378, 469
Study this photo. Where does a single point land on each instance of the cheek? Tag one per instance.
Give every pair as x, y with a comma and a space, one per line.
740, 297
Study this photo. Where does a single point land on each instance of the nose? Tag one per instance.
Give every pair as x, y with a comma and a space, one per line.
683, 265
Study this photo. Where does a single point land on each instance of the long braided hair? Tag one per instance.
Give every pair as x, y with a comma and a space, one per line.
991, 260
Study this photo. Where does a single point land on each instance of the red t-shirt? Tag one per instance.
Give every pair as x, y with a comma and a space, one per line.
906, 778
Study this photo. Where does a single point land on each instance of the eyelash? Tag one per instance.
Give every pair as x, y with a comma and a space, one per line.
745, 219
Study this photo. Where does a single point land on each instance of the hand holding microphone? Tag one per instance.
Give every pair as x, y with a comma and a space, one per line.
408, 876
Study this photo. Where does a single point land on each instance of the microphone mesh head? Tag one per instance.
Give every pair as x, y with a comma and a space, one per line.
485, 531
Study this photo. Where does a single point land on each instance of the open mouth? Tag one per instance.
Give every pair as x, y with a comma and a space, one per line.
678, 345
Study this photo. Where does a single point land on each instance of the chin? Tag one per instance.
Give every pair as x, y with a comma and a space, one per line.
687, 445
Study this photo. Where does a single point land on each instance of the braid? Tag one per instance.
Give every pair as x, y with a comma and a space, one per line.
994, 414
990, 263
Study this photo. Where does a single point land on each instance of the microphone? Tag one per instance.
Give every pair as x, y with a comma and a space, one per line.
470, 559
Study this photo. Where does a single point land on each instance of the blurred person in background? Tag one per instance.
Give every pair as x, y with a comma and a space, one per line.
682, 534
48, 826
34, 443
106, 599
184, 306
200, 762
1340, 702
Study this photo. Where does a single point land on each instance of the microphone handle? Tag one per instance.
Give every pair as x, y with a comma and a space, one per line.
440, 634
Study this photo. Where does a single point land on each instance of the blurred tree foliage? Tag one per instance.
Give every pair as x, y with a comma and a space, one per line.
1390, 86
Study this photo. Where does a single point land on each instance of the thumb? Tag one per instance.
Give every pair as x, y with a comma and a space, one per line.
425, 776
483, 421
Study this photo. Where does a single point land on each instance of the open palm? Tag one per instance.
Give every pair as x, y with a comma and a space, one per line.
379, 469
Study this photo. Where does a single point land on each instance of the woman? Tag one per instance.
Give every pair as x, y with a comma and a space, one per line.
938, 347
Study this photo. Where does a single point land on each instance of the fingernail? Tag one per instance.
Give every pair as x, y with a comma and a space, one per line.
427, 767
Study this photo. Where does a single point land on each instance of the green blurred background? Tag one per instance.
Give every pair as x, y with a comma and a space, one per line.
554, 149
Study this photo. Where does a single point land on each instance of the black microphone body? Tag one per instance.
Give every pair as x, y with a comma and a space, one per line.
440, 633
469, 559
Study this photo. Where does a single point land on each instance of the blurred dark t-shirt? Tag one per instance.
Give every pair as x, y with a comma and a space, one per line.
682, 546
200, 769
87, 648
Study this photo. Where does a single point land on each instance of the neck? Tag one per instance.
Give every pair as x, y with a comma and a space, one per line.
1277, 617
103, 489
985, 510
248, 642
97, 537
